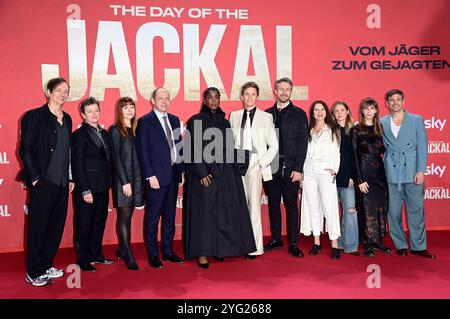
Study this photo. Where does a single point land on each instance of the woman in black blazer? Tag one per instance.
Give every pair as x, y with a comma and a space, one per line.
91, 174
127, 183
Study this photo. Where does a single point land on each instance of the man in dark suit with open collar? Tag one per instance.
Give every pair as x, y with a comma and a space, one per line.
292, 125
158, 138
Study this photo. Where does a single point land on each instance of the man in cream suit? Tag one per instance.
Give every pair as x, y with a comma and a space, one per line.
254, 130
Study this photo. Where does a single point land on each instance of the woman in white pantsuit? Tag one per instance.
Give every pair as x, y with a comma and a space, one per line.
319, 196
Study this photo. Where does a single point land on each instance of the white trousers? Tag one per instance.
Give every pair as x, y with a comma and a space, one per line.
253, 189
320, 192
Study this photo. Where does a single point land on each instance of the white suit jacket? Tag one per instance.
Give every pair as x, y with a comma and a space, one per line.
264, 138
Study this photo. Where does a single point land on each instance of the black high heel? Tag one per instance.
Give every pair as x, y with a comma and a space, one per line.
131, 264
118, 255
203, 265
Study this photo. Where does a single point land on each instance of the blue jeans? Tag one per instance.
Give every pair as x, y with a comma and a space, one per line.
349, 239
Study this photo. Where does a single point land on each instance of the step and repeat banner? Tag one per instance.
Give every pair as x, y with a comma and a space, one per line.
332, 49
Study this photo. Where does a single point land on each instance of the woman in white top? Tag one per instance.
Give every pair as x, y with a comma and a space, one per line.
319, 196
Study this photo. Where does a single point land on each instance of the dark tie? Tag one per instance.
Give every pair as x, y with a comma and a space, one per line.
169, 139
246, 130
244, 119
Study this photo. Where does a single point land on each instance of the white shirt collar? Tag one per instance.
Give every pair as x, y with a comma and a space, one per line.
159, 114
283, 105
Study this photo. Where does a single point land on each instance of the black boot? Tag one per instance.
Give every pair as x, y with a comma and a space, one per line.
382, 248
315, 249
368, 251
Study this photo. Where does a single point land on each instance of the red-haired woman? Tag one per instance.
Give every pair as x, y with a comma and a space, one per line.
127, 183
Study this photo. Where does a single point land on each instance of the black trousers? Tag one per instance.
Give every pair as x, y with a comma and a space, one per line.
47, 212
161, 203
89, 226
274, 189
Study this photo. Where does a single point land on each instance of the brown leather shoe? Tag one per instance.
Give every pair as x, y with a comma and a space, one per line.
423, 253
402, 252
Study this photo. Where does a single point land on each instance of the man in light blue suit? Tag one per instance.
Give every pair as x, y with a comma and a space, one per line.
405, 161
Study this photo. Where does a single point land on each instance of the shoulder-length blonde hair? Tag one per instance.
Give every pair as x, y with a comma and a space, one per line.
368, 101
120, 122
348, 120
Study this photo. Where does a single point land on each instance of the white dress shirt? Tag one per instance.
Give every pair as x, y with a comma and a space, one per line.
160, 116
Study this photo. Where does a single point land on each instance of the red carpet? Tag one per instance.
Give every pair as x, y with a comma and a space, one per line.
274, 275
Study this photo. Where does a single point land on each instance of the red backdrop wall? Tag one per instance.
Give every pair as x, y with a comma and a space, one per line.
332, 50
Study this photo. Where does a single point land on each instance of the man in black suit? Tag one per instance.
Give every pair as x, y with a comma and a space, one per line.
158, 135
292, 127
92, 176
44, 151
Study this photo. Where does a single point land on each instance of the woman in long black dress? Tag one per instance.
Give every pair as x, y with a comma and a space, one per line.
127, 183
216, 217
372, 190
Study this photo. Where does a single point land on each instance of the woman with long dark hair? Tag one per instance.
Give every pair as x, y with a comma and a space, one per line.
372, 192
216, 217
319, 196
127, 183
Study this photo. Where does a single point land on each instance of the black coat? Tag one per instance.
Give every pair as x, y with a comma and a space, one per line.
125, 169
90, 160
216, 219
37, 142
294, 134
347, 167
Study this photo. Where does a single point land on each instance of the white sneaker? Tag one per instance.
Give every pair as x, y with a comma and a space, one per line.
42, 280
54, 273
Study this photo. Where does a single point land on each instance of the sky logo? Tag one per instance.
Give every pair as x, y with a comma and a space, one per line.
435, 123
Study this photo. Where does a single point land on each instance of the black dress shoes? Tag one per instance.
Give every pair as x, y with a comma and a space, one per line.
295, 251
87, 267
315, 249
155, 262
173, 258
423, 253
402, 252
335, 253
273, 244
382, 248
247, 256
102, 260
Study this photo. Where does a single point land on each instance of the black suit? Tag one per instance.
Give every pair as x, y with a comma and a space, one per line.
292, 130
91, 173
47, 207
